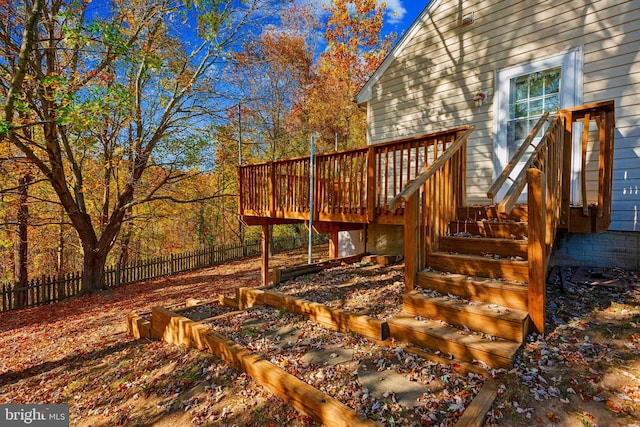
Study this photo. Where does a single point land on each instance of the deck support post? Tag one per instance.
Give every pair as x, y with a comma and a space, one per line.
264, 270
333, 245
537, 195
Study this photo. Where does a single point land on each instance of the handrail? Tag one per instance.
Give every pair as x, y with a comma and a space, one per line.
415, 185
512, 196
499, 182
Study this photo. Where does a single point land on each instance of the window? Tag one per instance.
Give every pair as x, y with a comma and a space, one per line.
530, 95
524, 91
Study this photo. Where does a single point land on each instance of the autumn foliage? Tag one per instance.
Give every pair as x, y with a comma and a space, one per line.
120, 127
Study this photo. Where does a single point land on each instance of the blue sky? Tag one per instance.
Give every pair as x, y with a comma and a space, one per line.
402, 13
400, 16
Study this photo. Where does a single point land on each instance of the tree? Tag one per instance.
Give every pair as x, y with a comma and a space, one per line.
276, 69
355, 49
113, 100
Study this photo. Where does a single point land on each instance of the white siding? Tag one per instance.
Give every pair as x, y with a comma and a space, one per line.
431, 83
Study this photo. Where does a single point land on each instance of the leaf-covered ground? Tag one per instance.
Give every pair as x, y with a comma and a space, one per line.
586, 371
78, 352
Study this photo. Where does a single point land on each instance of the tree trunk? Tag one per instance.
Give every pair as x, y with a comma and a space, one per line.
93, 270
126, 240
22, 244
62, 292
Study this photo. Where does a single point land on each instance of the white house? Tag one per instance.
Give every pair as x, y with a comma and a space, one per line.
497, 65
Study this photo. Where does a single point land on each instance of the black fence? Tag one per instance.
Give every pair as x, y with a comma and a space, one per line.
48, 289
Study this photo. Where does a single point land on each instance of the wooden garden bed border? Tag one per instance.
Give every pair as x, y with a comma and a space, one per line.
279, 275
176, 329
340, 320
173, 328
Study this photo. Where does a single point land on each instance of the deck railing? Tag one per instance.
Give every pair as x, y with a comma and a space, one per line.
351, 186
547, 177
431, 202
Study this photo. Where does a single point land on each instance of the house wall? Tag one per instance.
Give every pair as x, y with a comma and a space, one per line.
610, 249
430, 84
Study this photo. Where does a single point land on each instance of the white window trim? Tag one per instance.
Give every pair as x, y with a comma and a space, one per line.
572, 64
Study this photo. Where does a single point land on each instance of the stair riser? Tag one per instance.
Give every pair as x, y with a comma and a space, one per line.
478, 213
459, 351
502, 230
495, 269
470, 245
476, 291
494, 325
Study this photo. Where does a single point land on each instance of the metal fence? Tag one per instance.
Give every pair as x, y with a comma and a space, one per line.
48, 289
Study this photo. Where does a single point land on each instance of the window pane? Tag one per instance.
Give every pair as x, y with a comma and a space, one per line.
521, 109
536, 84
552, 81
552, 104
535, 108
521, 129
522, 88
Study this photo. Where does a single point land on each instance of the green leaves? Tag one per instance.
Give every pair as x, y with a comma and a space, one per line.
5, 128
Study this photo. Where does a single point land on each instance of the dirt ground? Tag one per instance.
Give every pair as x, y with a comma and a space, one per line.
586, 371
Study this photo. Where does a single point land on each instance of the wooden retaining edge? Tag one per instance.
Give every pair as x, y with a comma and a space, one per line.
249, 297
176, 329
305, 398
279, 275
337, 319
229, 302
476, 412
382, 259
138, 327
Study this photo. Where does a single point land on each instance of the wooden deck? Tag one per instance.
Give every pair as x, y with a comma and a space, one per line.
420, 183
351, 187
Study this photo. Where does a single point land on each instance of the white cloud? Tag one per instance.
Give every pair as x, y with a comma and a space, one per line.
396, 11
395, 14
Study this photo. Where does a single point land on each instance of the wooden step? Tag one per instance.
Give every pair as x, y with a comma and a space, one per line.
479, 213
499, 229
498, 353
508, 294
491, 319
474, 265
483, 245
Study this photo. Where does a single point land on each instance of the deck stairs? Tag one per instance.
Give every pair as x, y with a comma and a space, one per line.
471, 303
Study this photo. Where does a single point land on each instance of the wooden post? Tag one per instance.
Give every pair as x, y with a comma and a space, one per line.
411, 239
607, 185
333, 245
536, 196
565, 208
583, 168
265, 255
